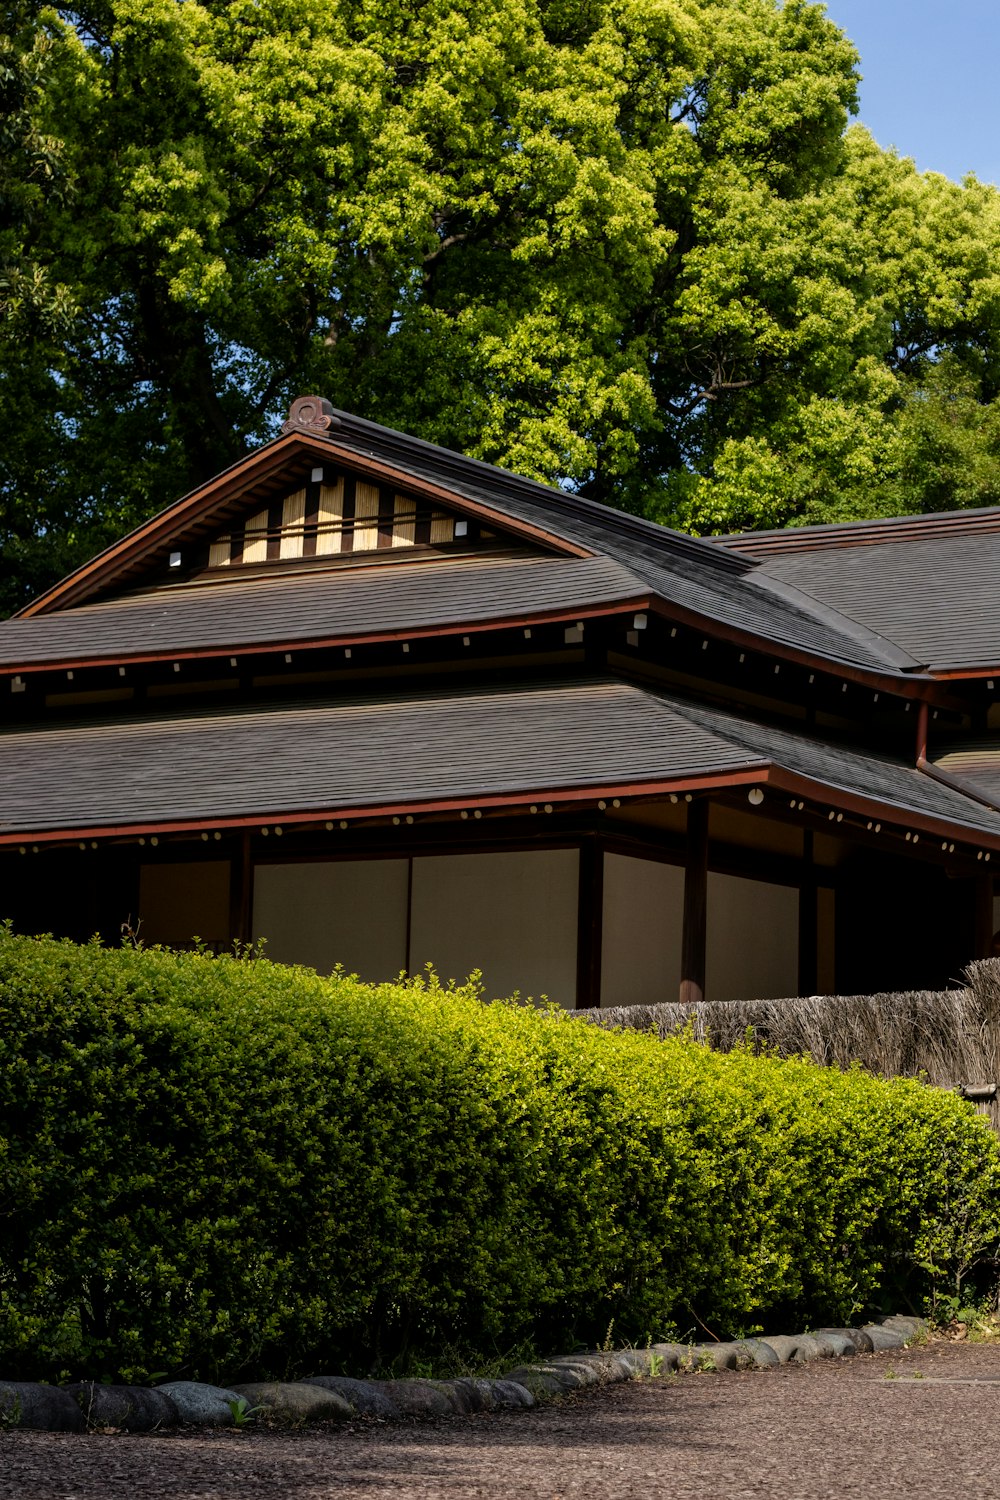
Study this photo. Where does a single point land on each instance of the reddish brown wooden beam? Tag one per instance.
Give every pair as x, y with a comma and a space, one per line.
402, 479
870, 807
808, 917
146, 538
590, 924
962, 674
909, 685
774, 777
984, 916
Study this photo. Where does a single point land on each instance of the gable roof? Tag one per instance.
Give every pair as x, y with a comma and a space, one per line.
238, 492
835, 535
711, 586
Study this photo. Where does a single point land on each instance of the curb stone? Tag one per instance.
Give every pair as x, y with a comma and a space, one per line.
201, 1405
885, 1338
294, 1401
129, 1408
48, 1408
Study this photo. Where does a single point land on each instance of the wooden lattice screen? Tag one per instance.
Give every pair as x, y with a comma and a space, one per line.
333, 518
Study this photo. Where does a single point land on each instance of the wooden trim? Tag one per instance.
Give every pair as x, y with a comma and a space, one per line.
777, 779
347, 514
152, 534
275, 517
590, 924
402, 479
886, 679
870, 807
386, 518
962, 674
956, 783
923, 720
694, 941
310, 518
408, 949
241, 891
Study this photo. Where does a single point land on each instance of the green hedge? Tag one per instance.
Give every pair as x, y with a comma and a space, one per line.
211, 1166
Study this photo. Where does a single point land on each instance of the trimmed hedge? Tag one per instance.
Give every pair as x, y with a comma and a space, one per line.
215, 1165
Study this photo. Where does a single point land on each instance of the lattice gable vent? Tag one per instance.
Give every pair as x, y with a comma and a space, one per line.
337, 515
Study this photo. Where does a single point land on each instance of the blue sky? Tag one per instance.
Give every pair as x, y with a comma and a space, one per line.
931, 84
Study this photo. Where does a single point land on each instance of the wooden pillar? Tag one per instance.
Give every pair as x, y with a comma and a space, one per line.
590, 925
695, 905
241, 891
984, 916
808, 921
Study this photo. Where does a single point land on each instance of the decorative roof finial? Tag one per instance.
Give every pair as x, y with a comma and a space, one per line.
311, 413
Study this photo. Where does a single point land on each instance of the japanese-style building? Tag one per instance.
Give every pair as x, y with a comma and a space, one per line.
384, 705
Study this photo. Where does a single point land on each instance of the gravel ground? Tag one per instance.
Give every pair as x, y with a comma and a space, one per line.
921, 1421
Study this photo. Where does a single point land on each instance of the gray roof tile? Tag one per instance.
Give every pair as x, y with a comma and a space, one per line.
688, 571
347, 753
337, 753
935, 597
320, 605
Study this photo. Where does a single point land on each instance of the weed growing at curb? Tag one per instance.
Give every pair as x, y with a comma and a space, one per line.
243, 1414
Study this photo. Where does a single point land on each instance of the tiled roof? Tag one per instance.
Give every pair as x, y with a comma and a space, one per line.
934, 597
338, 604
347, 753
684, 570
886, 597
838, 534
976, 764
280, 760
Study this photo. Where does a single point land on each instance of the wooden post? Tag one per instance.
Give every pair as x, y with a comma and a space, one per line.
693, 943
590, 925
808, 921
984, 916
241, 891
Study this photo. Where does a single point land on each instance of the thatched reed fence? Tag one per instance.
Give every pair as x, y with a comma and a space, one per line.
948, 1038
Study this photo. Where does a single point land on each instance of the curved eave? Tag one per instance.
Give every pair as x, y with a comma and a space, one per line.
241, 648
913, 685
822, 801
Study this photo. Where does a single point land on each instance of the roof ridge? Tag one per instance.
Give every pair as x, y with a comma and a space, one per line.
393, 443
835, 534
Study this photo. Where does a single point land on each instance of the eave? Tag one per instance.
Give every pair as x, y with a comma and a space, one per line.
882, 822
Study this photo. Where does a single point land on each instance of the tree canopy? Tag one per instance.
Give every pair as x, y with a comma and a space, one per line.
624, 245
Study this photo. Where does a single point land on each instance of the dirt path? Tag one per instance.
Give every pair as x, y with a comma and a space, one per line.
862, 1429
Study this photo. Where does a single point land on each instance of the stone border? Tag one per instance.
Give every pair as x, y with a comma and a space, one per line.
88, 1406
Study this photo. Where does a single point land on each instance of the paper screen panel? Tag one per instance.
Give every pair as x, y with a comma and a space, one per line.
442, 528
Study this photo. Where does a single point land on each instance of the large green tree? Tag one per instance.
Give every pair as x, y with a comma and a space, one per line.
623, 244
